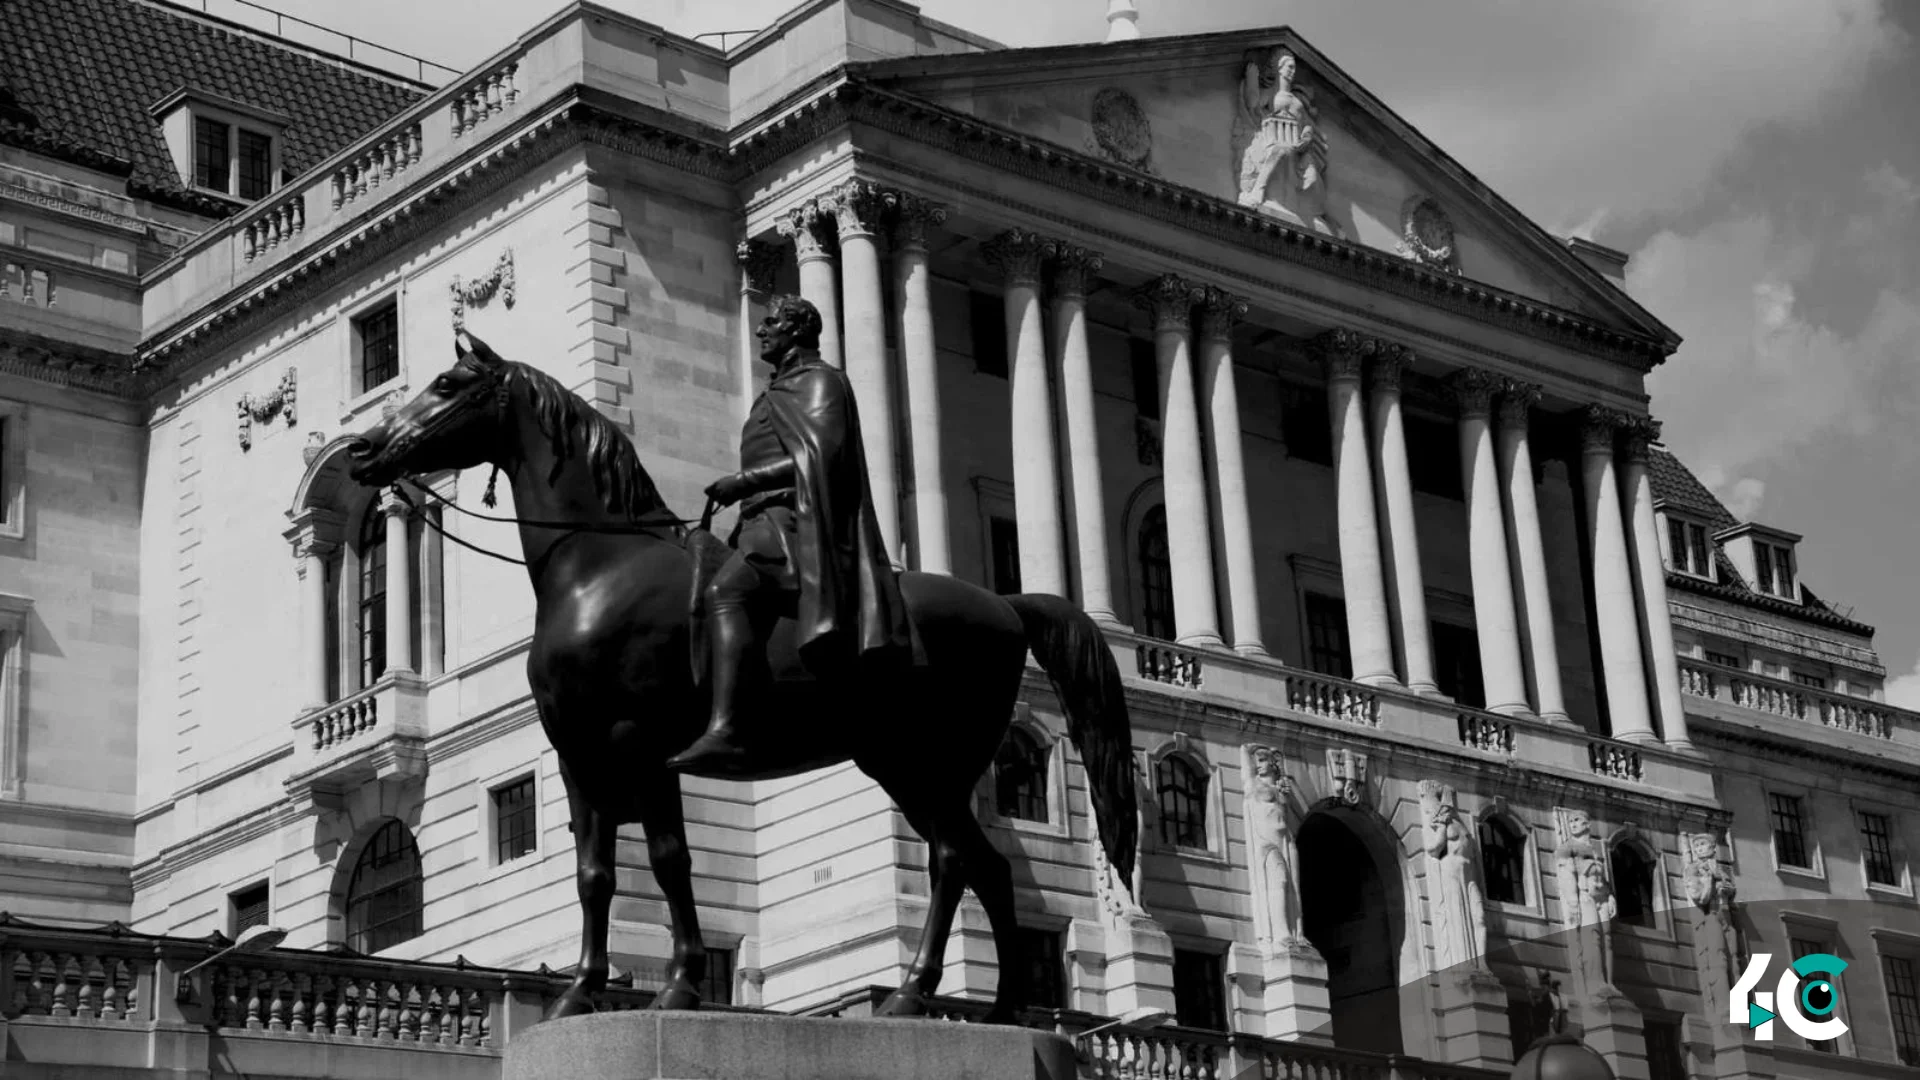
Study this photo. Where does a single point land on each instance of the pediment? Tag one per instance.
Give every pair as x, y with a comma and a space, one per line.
1264, 121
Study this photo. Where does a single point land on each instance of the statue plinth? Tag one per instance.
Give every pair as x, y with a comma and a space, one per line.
765, 1046
1472, 1012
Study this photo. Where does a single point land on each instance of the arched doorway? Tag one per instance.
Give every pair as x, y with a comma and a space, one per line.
1351, 910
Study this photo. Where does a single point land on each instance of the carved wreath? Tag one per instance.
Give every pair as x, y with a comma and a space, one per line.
1120, 130
481, 289
263, 409
1426, 234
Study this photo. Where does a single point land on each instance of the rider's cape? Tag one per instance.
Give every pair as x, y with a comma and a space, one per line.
849, 598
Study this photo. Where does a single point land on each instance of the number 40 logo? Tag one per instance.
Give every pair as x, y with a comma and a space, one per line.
1805, 994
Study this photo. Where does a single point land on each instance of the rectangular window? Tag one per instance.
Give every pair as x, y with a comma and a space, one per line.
1687, 543
1812, 682
1199, 990
1046, 967
212, 154
1666, 1058
379, 334
1763, 567
1726, 660
1456, 663
256, 164
1876, 849
1003, 536
717, 988
1903, 1001
1677, 544
1697, 544
987, 318
1327, 636
1807, 947
1307, 427
514, 820
1144, 363
249, 907
1789, 831
1433, 456
1783, 573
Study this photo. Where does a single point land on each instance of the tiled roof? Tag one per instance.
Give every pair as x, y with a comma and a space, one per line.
82, 76
1675, 485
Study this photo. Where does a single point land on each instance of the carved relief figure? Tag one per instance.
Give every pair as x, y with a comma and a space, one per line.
1710, 887
1586, 906
1279, 149
1271, 854
1453, 880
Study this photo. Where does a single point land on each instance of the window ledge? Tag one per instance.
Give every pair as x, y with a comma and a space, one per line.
1805, 874
1890, 893
395, 388
1023, 827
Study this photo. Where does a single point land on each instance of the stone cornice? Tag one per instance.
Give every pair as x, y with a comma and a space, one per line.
1761, 602
69, 365
1716, 733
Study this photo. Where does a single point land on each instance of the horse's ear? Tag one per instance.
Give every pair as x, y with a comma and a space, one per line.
465, 344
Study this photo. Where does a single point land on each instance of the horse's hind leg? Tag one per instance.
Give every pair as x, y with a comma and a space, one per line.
946, 884
663, 819
991, 877
593, 836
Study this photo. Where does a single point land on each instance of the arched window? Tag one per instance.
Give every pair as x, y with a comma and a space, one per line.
1503, 853
1632, 886
383, 896
1181, 789
1020, 777
371, 614
1156, 576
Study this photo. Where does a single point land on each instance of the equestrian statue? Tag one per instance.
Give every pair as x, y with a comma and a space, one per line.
660, 651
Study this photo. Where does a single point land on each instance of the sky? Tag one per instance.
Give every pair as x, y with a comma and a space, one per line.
1759, 160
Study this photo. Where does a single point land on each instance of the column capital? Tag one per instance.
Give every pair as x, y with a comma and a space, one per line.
1073, 267
859, 207
758, 261
913, 218
1169, 299
316, 530
1389, 363
1220, 310
1517, 400
1018, 254
1640, 433
1475, 389
1346, 352
392, 505
810, 227
1598, 425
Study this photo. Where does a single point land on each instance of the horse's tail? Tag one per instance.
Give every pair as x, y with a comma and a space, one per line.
1074, 654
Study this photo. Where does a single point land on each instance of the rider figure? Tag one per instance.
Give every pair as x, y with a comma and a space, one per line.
807, 541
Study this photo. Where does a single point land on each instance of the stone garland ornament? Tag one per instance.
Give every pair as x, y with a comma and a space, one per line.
263, 409
1426, 235
1121, 133
478, 291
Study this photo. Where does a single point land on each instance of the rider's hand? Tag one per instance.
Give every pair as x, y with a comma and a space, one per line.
727, 490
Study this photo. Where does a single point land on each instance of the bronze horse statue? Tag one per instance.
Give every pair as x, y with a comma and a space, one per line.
612, 674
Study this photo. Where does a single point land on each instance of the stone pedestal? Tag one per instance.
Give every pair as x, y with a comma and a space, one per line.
1612, 1026
1296, 1001
766, 1046
1472, 1017
1139, 967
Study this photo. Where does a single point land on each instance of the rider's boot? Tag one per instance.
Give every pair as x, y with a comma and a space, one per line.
731, 639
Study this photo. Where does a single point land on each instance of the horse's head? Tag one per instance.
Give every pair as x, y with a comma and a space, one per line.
455, 423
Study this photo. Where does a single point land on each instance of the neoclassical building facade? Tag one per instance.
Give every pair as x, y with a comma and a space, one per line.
1456, 700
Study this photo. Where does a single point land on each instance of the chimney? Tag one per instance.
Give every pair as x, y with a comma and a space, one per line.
1123, 20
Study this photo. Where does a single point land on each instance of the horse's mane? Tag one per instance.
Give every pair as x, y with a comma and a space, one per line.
619, 478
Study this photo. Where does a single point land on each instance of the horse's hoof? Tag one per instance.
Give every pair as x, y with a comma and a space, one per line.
572, 1002
681, 995
903, 1003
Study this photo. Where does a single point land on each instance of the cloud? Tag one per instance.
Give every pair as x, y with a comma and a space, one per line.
1904, 690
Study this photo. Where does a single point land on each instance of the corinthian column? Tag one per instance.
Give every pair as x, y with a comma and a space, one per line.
1228, 494
399, 584
1361, 578
1493, 615
1086, 498
1036, 484
758, 261
811, 228
1649, 573
858, 205
1613, 599
933, 549
1169, 299
1528, 550
1406, 588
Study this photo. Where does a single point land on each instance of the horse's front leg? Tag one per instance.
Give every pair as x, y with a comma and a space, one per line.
593, 836
662, 817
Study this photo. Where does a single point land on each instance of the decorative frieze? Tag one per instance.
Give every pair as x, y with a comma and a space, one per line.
1018, 255
263, 408
1168, 300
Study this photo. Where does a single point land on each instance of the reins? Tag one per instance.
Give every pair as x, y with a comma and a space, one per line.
570, 528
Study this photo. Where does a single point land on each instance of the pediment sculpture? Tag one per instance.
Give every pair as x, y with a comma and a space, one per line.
1279, 149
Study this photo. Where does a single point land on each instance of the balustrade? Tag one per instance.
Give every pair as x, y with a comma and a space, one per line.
278, 225
1615, 760
488, 97
1170, 664
377, 165
1332, 699
1792, 701
346, 721
436, 1006
1486, 732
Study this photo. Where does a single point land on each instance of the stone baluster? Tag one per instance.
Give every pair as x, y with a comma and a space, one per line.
1613, 599
399, 584
1073, 269
920, 372
1219, 311
1362, 581
858, 206
1036, 480
1406, 588
812, 228
1495, 624
1650, 575
1169, 300
1528, 549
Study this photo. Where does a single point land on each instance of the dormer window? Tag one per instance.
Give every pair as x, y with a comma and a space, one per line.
220, 145
1687, 549
1773, 569
1764, 556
